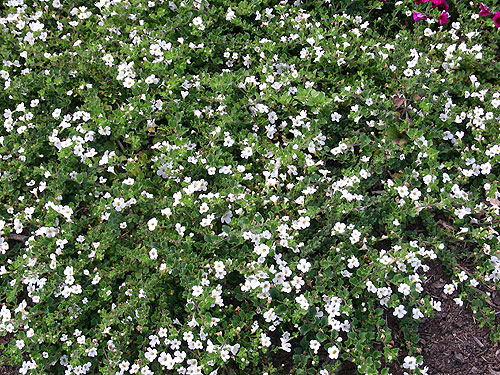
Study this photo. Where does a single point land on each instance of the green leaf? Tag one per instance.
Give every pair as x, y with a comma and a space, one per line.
321, 336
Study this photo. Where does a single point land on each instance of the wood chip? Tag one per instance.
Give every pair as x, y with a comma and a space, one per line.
478, 342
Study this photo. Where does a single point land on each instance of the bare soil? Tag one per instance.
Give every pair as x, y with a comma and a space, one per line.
452, 342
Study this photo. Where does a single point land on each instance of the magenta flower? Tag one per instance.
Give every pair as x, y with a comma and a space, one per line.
417, 16
440, 4
496, 19
485, 11
443, 18
420, 1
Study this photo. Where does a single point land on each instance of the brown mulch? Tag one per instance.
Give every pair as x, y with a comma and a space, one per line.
452, 342
4, 369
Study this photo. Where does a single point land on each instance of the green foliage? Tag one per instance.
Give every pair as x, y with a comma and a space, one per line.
224, 187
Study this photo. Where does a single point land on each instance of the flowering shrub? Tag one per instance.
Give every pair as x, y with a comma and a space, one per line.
192, 187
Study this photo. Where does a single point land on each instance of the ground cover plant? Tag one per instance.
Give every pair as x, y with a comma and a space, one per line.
203, 187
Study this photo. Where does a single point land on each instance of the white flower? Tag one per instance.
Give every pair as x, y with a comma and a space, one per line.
152, 223
119, 204
265, 340
353, 262
205, 222
449, 289
153, 254
486, 168
402, 191
404, 289
333, 352
230, 14
18, 226
314, 345
336, 117
415, 194
203, 208
428, 32
428, 179
151, 354
155, 50
339, 227
410, 363
166, 360
302, 301
261, 250
108, 59
197, 21
96, 279
128, 82
129, 181
20, 344
166, 212
399, 311
303, 265
417, 314
227, 217
272, 117
247, 152
197, 290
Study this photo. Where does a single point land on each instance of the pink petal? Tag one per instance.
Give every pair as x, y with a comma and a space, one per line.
496, 19
443, 18
485, 11
417, 16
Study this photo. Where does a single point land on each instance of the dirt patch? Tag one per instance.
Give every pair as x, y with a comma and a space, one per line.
451, 342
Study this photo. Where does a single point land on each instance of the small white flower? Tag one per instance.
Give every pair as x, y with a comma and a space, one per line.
197, 290
417, 314
314, 345
230, 14
227, 217
333, 352
404, 289
399, 311
119, 204
108, 59
428, 179
410, 363
415, 194
339, 227
247, 152
153, 254
20, 344
203, 208
129, 181
265, 340
152, 223
353, 262
449, 289
402, 191
128, 82
436, 305
303, 265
